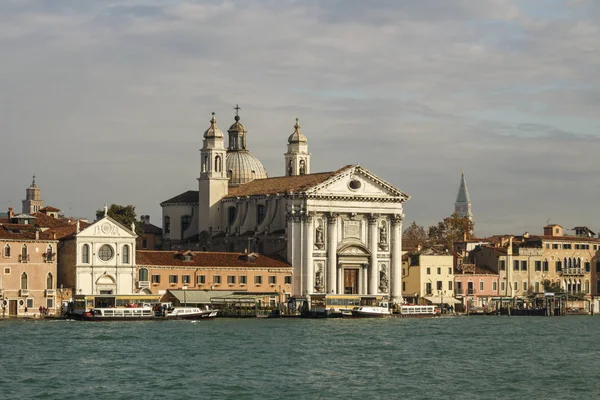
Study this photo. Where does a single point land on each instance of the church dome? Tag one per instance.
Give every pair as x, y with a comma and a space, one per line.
297, 136
243, 167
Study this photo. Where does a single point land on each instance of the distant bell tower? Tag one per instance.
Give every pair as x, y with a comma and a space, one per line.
32, 202
297, 158
212, 183
462, 206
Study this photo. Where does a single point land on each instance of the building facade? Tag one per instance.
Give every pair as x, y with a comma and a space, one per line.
29, 272
159, 271
428, 277
524, 263
475, 286
341, 230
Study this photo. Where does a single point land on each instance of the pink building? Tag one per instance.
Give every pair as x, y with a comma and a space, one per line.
475, 285
28, 271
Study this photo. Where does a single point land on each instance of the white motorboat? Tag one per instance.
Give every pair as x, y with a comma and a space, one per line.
381, 310
191, 313
118, 314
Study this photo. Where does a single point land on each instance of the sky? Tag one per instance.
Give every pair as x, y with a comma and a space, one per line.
107, 101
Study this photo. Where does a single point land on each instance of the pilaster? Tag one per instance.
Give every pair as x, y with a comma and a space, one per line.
396, 268
373, 273
331, 283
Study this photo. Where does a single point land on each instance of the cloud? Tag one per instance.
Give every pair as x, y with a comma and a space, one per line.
107, 101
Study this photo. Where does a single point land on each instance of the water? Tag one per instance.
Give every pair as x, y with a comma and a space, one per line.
445, 358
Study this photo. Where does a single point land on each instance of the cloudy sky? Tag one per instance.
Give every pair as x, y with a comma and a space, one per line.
106, 101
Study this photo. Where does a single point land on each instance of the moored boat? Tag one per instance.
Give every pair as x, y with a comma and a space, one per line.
118, 314
380, 310
191, 313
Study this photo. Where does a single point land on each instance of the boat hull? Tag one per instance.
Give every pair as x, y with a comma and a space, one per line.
194, 317
362, 314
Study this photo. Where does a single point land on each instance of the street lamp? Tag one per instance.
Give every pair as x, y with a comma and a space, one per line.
184, 287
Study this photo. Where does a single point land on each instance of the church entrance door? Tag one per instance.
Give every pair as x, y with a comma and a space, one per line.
351, 280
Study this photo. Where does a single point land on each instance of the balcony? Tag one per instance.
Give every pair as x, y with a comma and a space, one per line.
24, 292
459, 291
471, 292
23, 259
573, 272
49, 257
50, 292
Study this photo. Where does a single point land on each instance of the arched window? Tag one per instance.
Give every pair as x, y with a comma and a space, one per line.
24, 254
261, 212
231, 215
302, 167
290, 168
23, 280
218, 164
49, 282
167, 224
85, 254
587, 287
205, 164
143, 275
126, 254
7, 250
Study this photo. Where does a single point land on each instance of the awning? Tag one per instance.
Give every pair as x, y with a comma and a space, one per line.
444, 300
198, 296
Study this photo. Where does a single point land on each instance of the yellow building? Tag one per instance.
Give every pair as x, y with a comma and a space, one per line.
428, 277
523, 263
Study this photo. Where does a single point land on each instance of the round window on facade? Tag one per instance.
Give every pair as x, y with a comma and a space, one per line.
106, 253
354, 184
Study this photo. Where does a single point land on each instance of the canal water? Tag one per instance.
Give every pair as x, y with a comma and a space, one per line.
443, 358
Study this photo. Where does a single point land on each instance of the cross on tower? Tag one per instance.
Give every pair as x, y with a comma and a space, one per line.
237, 109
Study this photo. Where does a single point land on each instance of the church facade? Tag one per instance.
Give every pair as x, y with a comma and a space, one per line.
341, 230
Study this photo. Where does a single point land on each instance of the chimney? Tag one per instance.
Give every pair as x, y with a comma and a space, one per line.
37, 234
54, 235
11, 213
419, 248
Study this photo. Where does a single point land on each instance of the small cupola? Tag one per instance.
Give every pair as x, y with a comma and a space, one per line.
213, 131
297, 136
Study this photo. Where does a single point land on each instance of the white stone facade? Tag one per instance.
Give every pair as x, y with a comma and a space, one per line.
341, 231
105, 259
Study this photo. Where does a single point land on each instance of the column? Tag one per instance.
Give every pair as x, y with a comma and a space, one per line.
308, 253
331, 252
373, 272
364, 270
340, 280
291, 253
396, 267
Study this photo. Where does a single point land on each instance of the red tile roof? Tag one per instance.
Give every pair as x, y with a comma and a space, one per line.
282, 184
62, 232
49, 208
46, 221
205, 259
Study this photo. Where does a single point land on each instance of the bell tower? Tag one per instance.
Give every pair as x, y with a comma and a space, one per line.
32, 202
212, 183
462, 206
297, 158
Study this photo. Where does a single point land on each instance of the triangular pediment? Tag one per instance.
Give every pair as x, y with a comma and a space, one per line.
105, 228
357, 182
